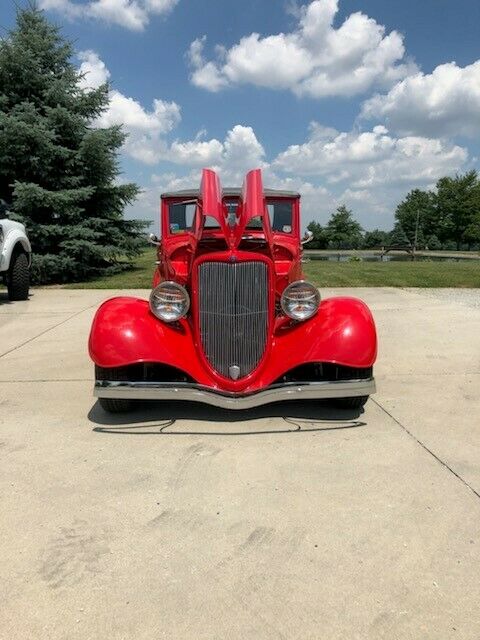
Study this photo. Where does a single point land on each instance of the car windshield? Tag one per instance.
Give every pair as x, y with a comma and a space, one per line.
280, 213
181, 216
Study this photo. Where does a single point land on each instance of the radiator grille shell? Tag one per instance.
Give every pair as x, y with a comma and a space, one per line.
233, 309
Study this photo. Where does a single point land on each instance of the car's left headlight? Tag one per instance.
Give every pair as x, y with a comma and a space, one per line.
169, 301
300, 300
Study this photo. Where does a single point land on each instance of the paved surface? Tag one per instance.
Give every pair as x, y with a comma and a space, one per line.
287, 522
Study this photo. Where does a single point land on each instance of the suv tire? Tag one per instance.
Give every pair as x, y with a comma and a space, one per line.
18, 278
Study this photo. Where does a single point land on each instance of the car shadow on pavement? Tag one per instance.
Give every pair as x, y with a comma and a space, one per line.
160, 418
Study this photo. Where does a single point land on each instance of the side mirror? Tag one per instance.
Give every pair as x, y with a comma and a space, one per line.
307, 237
152, 239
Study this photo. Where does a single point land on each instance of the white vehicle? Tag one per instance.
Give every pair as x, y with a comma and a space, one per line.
15, 256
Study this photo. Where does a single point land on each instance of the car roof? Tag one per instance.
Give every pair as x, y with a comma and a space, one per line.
230, 192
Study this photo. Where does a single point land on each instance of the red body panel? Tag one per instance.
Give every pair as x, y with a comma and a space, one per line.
124, 331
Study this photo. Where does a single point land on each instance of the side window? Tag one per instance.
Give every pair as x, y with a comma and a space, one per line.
280, 212
180, 216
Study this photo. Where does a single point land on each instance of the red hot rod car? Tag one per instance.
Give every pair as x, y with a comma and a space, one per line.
230, 321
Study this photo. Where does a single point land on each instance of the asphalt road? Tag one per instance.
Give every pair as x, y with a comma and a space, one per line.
285, 522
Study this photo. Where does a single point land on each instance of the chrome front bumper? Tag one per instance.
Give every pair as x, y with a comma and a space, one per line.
174, 391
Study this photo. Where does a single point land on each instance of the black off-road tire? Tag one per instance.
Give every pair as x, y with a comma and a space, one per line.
113, 405
356, 402
18, 278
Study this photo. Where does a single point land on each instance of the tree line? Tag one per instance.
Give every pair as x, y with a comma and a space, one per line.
446, 218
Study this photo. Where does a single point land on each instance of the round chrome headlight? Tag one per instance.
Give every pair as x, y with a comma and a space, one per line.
169, 301
300, 300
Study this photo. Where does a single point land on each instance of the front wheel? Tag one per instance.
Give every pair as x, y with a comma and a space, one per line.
18, 279
113, 405
355, 402
116, 405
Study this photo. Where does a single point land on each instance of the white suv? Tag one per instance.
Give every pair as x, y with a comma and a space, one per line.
15, 256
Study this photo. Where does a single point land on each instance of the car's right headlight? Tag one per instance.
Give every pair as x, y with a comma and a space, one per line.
169, 301
300, 300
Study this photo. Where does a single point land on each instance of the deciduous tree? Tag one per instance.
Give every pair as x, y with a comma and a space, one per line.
458, 208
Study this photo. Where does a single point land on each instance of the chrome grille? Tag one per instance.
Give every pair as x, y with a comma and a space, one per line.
233, 314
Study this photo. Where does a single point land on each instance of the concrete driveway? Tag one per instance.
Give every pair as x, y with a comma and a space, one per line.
286, 522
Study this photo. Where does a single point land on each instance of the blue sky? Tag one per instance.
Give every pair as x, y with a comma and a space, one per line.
349, 101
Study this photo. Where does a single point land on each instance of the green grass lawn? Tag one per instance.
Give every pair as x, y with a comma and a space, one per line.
393, 274
328, 274
140, 277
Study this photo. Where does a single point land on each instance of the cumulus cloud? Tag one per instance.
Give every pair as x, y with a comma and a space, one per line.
371, 158
315, 59
445, 102
131, 14
147, 129
124, 110
239, 152
368, 170
93, 69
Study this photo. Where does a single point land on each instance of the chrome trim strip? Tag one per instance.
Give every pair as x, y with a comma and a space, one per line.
198, 393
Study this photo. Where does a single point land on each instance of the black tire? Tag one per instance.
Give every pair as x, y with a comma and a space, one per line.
116, 405
356, 402
18, 279
113, 405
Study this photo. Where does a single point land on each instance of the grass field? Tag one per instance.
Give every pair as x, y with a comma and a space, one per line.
329, 274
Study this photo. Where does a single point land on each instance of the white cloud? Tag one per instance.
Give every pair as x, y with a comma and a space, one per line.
126, 13
201, 153
316, 58
242, 150
371, 158
131, 14
94, 70
239, 152
370, 171
123, 110
147, 130
443, 103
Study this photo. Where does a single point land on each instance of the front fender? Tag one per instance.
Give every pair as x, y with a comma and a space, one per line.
124, 332
342, 332
13, 238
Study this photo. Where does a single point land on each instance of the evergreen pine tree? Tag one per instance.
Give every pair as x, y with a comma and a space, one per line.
343, 232
398, 237
57, 170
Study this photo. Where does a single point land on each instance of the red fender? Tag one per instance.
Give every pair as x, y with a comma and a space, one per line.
124, 331
342, 332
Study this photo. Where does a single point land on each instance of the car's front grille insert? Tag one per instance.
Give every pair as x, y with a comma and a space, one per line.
233, 315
